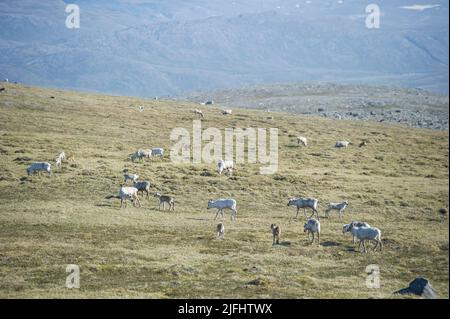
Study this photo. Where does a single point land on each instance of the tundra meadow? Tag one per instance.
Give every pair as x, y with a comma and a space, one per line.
247, 187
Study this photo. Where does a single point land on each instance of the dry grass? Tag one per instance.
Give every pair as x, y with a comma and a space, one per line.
397, 183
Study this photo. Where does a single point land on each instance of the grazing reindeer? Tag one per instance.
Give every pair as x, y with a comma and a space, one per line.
220, 229
198, 112
39, 167
59, 159
225, 166
276, 231
58, 162
342, 144
163, 199
301, 140
339, 207
366, 233
131, 177
312, 226
143, 186
305, 203
128, 193
222, 204
346, 228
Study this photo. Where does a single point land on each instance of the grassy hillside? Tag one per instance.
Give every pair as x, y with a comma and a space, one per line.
397, 183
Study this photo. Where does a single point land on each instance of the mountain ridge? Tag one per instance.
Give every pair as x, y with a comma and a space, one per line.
149, 49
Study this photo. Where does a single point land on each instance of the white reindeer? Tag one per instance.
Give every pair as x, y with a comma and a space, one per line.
222, 204
312, 226
131, 177
225, 165
340, 207
301, 140
198, 112
340, 144
59, 159
140, 154
367, 233
305, 203
128, 193
346, 228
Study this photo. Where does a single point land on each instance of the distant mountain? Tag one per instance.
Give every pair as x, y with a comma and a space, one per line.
150, 47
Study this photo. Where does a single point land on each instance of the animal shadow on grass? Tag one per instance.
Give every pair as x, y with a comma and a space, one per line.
105, 205
329, 244
156, 209
283, 243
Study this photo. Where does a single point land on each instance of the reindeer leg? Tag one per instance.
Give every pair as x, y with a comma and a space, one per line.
376, 245
138, 201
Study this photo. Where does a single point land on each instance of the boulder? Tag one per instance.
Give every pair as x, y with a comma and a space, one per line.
419, 287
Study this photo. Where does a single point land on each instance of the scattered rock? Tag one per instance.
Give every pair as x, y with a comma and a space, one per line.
419, 287
412, 107
253, 269
178, 270
22, 159
205, 173
257, 282
443, 212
